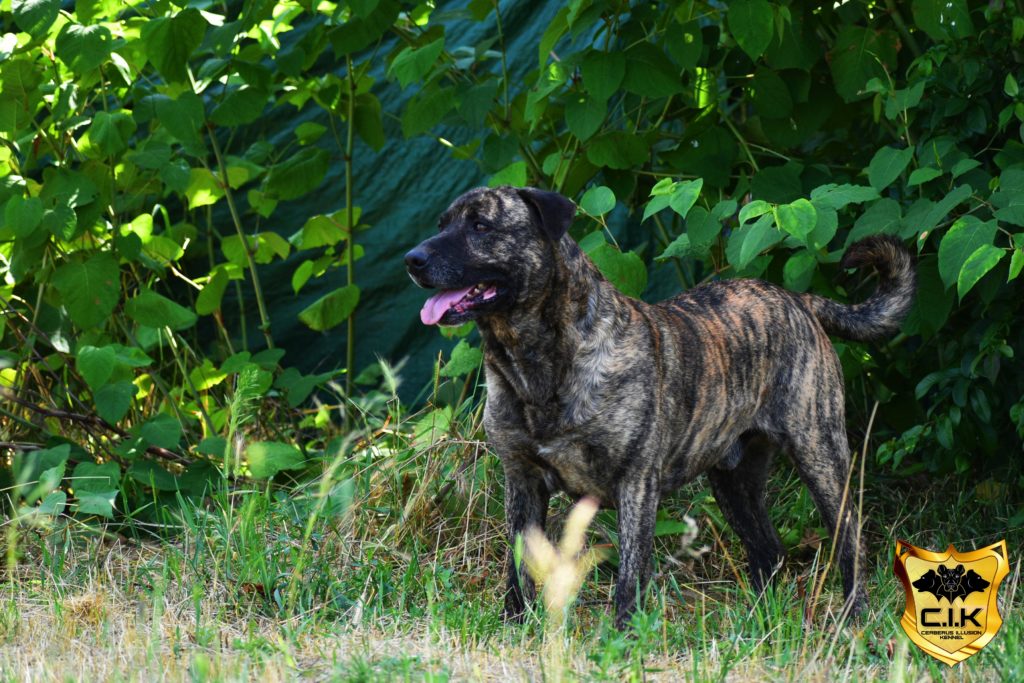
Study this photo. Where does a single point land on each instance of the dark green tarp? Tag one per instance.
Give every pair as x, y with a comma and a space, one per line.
402, 189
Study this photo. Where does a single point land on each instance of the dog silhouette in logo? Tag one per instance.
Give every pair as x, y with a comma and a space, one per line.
951, 583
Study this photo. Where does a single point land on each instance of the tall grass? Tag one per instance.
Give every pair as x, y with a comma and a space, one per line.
386, 564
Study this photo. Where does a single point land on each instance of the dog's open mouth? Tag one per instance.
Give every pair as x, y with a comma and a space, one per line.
456, 300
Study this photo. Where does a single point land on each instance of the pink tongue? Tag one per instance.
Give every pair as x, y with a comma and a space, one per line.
437, 305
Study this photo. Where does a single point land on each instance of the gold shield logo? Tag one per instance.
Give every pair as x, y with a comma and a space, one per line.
951, 611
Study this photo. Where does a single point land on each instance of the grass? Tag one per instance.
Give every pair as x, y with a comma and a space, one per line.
386, 566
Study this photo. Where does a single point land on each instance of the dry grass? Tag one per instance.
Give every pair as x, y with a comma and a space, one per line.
128, 612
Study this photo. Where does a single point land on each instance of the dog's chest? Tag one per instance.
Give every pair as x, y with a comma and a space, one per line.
576, 467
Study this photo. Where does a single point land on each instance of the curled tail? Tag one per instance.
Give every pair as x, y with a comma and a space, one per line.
882, 313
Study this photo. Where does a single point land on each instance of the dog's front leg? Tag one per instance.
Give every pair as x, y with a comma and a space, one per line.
526, 504
638, 507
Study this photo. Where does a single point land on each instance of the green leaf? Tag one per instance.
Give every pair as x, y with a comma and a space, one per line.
598, 200
360, 32
663, 187
883, 217
754, 209
149, 473
902, 100
368, 121
963, 239
858, 55
96, 487
886, 166
299, 174
684, 196
943, 20
113, 400
90, 289
679, 247
155, 310
427, 109
650, 73
464, 360
624, 270
23, 215
940, 209
798, 271
555, 30
83, 48
686, 45
132, 356
96, 502
35, 17
963, 166
603, 73
920, 176
514, 174
325, 231
703, 228
297, 386
301, 275
240, 106
770, 95
267, 458
1010, 86
982, 260
37, 473
61, 221
95, 365
161, 430
109, 134
751, 23
203, 188
212, 294
182, 117
412, 64
724, 209
309, 132
797, 218
758, 237
206, 376
88, 476
88, 11
825, 228
657, 203
53, 504
618, 150
836, 197
170, 41
331, 309
584, 115
1016, 264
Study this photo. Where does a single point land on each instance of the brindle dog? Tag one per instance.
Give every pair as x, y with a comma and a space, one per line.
595, 393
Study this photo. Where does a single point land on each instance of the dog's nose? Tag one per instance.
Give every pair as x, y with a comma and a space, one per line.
417, 258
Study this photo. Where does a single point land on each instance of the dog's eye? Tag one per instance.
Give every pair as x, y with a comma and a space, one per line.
481, 227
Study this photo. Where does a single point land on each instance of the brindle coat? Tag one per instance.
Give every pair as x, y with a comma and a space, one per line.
593, 392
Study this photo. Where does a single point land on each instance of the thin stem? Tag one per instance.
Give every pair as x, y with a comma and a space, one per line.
257, 289
350, 350
743, 143
504, 66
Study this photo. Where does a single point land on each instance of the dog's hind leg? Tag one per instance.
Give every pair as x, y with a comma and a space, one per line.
739, 488
822, 457
637, 503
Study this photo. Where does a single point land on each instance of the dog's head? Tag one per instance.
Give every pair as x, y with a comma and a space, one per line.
494, 250
951, 577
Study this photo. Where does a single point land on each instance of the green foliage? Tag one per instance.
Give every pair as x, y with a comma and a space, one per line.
138, 193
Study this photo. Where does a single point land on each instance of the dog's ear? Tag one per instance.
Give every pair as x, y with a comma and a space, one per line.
553, 211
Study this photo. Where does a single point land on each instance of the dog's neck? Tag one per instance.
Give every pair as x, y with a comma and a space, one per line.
533, 347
